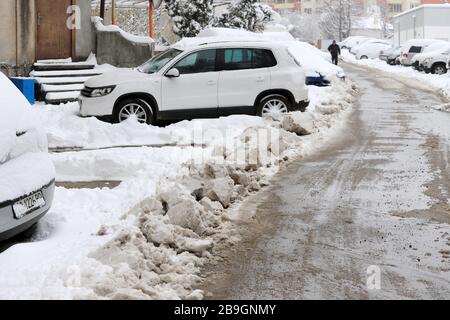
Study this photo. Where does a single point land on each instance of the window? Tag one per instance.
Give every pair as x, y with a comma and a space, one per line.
240, 59
395, 7
308, 10
158, 62
197, 62
415, 49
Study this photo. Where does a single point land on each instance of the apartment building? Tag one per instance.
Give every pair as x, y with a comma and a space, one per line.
285, 6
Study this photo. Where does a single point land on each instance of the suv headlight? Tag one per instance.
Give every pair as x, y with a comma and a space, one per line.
97, 92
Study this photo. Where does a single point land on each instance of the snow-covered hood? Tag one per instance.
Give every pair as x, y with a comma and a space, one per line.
422, 56
19, 130
116, 77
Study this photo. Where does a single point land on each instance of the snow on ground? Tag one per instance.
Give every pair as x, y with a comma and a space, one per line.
427, 81
149, 237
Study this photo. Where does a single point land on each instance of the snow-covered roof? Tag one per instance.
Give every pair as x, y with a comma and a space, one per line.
424, 6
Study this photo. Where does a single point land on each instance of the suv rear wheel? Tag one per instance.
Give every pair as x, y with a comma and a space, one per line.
135, 108
274, 104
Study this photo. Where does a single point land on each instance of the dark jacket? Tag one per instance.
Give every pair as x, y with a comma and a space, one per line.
334, 49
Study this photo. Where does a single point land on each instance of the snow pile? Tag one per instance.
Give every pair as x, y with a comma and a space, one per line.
437, 82
161, 256
442, 107
149, 237
65, 129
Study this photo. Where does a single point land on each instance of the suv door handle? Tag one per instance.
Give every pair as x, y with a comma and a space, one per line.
260, 79
211, 83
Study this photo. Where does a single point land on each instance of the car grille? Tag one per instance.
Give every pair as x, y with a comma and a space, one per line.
86, 92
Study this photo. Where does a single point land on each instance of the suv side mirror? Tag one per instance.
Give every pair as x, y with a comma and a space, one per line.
173, 73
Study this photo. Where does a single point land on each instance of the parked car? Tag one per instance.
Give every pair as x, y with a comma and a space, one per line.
390, 55
207, 80
370, 50
437, 47
352, 41
413, 47
355, 49
27, 175
436, 62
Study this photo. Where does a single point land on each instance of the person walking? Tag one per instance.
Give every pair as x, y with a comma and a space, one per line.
335, 51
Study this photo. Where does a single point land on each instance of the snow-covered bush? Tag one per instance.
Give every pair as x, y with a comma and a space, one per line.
246, 14
190, 17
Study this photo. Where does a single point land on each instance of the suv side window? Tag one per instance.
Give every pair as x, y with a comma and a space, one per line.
241, 59
197, 62
415, 49
264, 58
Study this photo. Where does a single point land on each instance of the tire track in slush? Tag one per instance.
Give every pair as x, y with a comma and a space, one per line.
328, 217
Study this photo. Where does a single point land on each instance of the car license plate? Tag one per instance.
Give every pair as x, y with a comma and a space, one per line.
27, 205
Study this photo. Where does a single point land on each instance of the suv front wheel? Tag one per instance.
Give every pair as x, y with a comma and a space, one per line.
274, 104
134, 108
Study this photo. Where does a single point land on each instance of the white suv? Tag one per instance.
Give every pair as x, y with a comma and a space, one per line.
436, 62
207, 80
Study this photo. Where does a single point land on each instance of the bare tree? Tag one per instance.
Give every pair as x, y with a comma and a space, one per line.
336, 19
384, 18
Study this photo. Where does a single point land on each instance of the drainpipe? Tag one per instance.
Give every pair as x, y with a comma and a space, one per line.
17, 33
150, 19
102, 9
113, 11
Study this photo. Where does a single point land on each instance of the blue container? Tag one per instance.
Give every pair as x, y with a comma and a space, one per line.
26, 86
319, 81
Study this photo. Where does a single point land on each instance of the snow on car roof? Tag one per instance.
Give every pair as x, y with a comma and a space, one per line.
213, 42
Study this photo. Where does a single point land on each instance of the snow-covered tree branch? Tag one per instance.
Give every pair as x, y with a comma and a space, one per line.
190, 16
246, 14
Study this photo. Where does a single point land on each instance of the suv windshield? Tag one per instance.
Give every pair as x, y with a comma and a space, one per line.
158, 62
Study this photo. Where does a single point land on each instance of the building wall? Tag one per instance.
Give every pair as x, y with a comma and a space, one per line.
26, 35
8, 31
17, 35
437, 23
85, 35
425, 22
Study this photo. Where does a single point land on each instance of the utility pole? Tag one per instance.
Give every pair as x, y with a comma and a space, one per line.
102, 9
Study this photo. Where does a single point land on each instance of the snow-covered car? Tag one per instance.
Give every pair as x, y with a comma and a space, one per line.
355, 49
27, 175
371, 50
412, 47
203, 80
436, 62
391, 54
437, 47
353, 41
